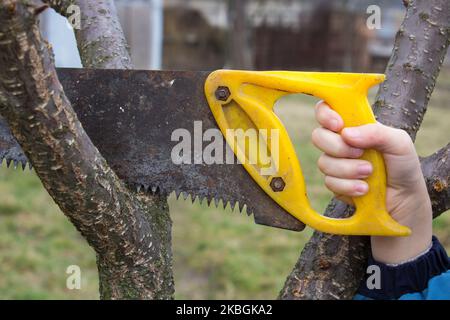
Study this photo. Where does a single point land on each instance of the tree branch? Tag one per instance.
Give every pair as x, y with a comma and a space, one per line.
100, 39
102, 45
130, 233
331, 267
436, 169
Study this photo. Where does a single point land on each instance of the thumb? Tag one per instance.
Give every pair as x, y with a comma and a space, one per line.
379, 137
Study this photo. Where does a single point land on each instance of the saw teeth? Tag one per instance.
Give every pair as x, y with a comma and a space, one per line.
218, 201
150, 189
16, 163
161, 191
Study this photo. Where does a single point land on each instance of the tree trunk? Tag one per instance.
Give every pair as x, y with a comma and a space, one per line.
130, 233
238, 40
331, 266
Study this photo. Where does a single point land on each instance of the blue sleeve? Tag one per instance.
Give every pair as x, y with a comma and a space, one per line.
425, 278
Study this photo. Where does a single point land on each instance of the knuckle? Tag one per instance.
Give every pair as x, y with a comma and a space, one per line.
405, 142
321, 116
315, 136
328, 182
322, 162
376, 133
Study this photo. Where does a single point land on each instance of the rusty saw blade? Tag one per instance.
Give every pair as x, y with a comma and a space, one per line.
130, 116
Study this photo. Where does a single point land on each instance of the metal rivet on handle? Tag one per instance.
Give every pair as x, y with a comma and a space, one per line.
222, 93
277, 184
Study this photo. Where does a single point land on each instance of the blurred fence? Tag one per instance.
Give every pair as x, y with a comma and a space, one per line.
324, 40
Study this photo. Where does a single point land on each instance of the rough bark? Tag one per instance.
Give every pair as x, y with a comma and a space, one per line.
100, 39
102, 45
130, 233
436, 169
331, 267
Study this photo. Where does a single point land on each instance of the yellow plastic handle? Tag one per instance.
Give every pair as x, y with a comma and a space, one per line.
243, 100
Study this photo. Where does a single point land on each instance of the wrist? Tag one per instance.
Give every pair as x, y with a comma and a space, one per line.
395, 250
390, 250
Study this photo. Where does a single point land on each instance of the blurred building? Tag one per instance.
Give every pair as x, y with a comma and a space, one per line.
296, 34
269, 34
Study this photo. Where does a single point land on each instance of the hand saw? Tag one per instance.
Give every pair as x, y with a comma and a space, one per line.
136, 119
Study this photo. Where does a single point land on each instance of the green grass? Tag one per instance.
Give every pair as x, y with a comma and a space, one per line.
37, 243
217, 253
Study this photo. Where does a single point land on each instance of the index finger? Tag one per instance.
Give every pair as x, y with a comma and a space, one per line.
328, 118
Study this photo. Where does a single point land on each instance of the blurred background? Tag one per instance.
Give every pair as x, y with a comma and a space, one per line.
218, 254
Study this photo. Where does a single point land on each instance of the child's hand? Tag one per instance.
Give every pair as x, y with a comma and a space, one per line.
407, 198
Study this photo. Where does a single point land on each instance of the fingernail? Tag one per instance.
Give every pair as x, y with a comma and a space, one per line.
361, 188
356, 153
353, 133
364, 169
